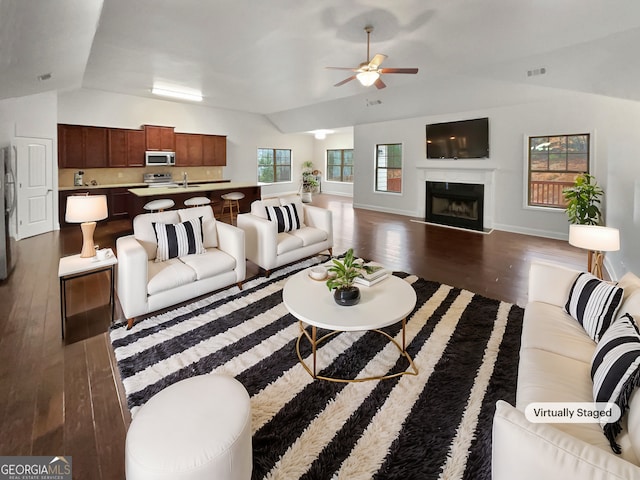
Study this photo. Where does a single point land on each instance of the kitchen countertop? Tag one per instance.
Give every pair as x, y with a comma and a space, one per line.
140, 185
192, 188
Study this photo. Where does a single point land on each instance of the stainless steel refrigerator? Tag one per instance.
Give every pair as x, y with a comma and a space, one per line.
7, 209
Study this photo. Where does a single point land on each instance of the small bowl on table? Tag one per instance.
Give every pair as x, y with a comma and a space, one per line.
318, 273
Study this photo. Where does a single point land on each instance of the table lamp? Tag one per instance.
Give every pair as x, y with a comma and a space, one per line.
596, 239
86, 210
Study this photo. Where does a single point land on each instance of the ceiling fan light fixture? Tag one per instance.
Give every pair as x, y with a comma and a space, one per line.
368, 78
194, 97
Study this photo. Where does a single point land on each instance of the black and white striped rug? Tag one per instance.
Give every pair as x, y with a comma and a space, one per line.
434, 425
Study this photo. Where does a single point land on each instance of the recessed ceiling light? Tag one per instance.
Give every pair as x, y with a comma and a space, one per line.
195, 97
321, 134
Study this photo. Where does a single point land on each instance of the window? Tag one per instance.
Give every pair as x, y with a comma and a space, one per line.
389, 168
340, 165
274, 165
554, 163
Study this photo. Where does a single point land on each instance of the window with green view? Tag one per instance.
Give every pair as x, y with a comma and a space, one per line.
340, 165
274, 165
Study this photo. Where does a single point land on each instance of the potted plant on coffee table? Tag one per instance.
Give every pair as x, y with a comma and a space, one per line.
342, 274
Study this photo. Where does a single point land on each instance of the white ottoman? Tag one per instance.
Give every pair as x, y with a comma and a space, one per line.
198, 428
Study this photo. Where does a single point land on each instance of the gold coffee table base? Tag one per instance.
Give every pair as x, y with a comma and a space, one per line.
314, 341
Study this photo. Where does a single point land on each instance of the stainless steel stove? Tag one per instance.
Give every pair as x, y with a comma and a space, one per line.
159, 180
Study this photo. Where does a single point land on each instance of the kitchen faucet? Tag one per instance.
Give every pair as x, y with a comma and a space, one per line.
184, 180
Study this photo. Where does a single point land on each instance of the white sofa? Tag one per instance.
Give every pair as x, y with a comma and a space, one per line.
144, 285
269, 249
554, 366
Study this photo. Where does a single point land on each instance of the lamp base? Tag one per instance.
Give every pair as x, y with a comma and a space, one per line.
596, 259
88, 248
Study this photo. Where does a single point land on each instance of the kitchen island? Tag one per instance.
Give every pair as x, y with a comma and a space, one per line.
213, 191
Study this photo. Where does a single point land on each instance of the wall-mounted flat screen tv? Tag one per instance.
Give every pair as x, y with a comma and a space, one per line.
462, 139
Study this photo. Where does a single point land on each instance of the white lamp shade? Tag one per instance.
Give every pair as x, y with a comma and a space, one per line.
367, 78
86, 208
594, 237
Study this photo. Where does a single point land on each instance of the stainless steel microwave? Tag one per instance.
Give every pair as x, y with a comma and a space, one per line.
160, 158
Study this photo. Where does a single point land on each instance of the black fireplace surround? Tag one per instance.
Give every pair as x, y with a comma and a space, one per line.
455, 204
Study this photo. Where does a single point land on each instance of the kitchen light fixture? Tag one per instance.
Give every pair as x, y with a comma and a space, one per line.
195, 97
86, 210
368, 78
595, 239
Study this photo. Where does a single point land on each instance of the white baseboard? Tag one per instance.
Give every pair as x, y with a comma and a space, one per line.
531, 231
378, 208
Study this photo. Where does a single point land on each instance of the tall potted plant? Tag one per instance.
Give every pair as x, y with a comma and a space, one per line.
309, 182
583, 199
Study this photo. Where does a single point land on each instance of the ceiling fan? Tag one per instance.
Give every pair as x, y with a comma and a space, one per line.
368, 73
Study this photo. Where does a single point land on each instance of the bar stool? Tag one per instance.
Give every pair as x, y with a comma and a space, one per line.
229, 199
159, 205
197, 201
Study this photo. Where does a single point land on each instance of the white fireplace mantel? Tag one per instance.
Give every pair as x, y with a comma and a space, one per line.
462, 171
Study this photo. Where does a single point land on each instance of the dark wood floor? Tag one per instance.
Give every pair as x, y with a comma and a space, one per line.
65, 397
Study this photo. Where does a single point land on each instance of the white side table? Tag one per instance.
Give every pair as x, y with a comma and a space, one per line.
75, 267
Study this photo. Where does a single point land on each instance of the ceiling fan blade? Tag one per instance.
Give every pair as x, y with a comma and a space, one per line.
342, 68
345, 81
398, 70
377, 60
379, 83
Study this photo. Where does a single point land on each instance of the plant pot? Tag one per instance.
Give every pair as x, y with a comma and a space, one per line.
347, 296
306, 197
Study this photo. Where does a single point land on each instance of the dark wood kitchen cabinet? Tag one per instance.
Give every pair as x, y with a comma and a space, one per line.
160, 138
126, 147
214, 150
118, 202
135, 148
82, 147
95, 147
70, 146
118, 147
189, 149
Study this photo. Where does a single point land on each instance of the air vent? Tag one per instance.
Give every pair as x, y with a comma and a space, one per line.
44, 76
536, 71
373, 102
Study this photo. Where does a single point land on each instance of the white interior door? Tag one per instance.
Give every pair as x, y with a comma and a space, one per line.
34, 172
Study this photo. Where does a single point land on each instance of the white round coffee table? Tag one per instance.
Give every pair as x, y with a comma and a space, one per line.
381, 305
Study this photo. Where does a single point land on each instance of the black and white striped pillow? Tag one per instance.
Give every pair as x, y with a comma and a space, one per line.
614, 370
593, 303
286, 216
178, 239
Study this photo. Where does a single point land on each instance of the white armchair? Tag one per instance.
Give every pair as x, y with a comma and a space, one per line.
145, 285
269, 249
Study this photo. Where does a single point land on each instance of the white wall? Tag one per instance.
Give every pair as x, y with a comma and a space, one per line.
613, 123
33, 116
245, 132
333, 141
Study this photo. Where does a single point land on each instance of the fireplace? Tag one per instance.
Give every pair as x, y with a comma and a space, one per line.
455, 204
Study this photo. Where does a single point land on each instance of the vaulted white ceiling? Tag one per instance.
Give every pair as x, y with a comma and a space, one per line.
270, 56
